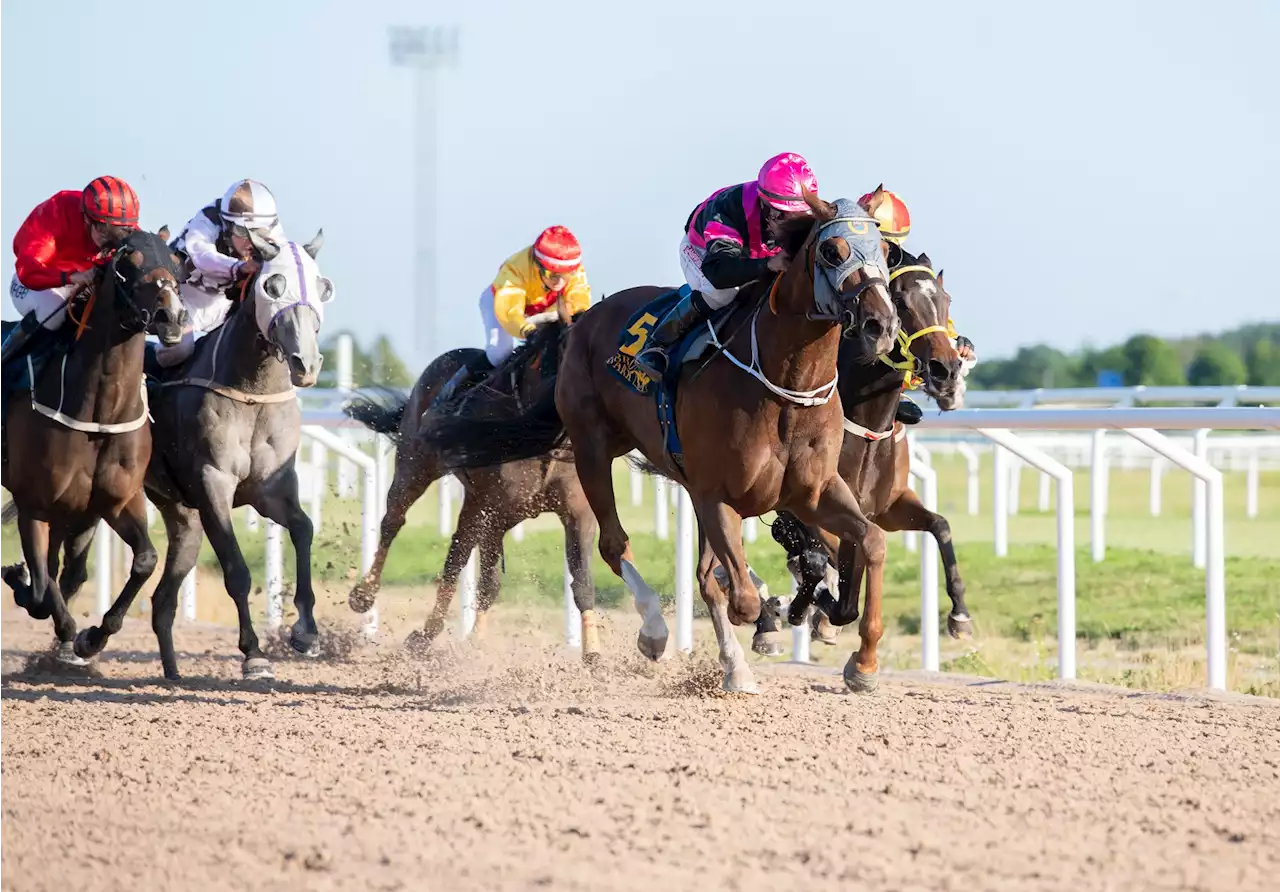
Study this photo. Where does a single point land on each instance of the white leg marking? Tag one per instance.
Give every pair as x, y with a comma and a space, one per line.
647, 603
738, 678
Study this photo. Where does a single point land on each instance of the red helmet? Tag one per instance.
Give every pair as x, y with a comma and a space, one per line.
557, 250
111, 200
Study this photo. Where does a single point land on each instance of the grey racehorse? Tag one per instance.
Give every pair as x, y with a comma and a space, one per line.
226, 430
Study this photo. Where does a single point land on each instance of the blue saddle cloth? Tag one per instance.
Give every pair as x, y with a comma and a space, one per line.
633, 338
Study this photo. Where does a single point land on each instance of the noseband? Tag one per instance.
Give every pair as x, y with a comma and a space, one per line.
910, 365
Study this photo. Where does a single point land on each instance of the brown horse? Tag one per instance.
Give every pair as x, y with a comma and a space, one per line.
497, 498
760, 427
875, 463
79, 445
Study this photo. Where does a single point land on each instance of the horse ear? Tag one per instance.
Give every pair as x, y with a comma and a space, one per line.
264, 246
163, 233
940, 285
923, 260
874, 199
313, 247
823, 210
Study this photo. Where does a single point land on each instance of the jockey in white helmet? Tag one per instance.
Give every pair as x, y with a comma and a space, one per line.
219, 253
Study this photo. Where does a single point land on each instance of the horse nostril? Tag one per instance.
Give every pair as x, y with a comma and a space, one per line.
296, 365
872, 329
939, 371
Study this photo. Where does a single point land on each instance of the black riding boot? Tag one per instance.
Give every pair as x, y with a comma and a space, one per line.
28, 334
688, 312
909, 412
463, 379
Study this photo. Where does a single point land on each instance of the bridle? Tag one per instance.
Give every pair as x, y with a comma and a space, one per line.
910, 365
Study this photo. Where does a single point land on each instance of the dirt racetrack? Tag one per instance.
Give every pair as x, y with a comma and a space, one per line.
508, 765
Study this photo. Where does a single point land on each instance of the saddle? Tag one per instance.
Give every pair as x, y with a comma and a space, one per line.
692, 347
22, 373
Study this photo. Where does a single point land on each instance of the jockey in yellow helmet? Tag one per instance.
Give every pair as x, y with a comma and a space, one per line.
894, 219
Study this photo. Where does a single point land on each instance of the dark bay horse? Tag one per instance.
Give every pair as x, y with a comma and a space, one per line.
227, 427
496, 499
760, 427
78, 445
875, 463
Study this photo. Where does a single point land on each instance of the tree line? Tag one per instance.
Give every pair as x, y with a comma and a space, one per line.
376, 365
1246, 355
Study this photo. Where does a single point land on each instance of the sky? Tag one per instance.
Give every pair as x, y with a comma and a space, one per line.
1083, 171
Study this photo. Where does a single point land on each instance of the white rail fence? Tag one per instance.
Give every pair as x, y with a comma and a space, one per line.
1085, 443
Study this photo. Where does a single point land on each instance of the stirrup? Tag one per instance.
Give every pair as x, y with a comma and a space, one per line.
908, 412
645, 362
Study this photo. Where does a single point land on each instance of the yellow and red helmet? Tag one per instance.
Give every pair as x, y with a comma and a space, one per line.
890, 213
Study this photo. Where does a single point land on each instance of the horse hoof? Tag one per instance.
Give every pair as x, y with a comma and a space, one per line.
418, 643
67, 655
16, 576
306, 644
860, 682
361, 598
83, 647
765, 644
172, 675
257, 669
740, 683
653, 648
959, 626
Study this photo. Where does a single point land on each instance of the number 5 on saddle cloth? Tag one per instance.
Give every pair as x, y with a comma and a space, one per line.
691, 347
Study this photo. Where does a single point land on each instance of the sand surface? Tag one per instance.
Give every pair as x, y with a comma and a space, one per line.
508, 765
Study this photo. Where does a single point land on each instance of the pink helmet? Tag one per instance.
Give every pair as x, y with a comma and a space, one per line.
781, 180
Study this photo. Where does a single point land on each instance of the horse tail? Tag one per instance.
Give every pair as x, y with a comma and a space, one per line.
463, 442
381, 410
644, 466
10, 512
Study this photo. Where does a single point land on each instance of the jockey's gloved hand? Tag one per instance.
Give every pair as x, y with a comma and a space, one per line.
968, 355
246, 268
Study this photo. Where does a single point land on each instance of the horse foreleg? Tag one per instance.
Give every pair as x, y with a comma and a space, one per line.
131, 526
282, 506
595, 473
75, 569
908, 513
464, 541
44, 591
738, 677
579, 530
837, 511
182, 527
214, 501
412, 477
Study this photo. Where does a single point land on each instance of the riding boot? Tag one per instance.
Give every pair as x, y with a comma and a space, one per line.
687, 313
465, 377
27, 334
909, 412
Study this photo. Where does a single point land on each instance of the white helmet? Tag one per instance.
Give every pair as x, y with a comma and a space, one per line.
250, 204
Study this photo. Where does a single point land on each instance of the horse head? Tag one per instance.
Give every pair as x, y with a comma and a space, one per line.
145, 274
847, 271
928, 353
288, 298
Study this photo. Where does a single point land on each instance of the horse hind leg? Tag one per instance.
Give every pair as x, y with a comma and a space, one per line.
182, 527
908, 513
579, 530
131, 525
738, 677
37, 546
413, 474
464, 541
75, 568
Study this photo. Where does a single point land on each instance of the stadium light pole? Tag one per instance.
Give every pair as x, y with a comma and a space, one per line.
424, 50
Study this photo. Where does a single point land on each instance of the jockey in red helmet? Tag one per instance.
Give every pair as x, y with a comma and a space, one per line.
529, 285
56, 251
727, 243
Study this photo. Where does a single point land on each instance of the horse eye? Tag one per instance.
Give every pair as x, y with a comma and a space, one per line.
829, 254
275, 285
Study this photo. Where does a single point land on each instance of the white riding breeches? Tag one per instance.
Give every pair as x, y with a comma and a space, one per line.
691, 258
42, 302
205, 311
498, 342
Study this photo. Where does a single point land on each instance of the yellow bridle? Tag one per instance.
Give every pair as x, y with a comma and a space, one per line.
910, 366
